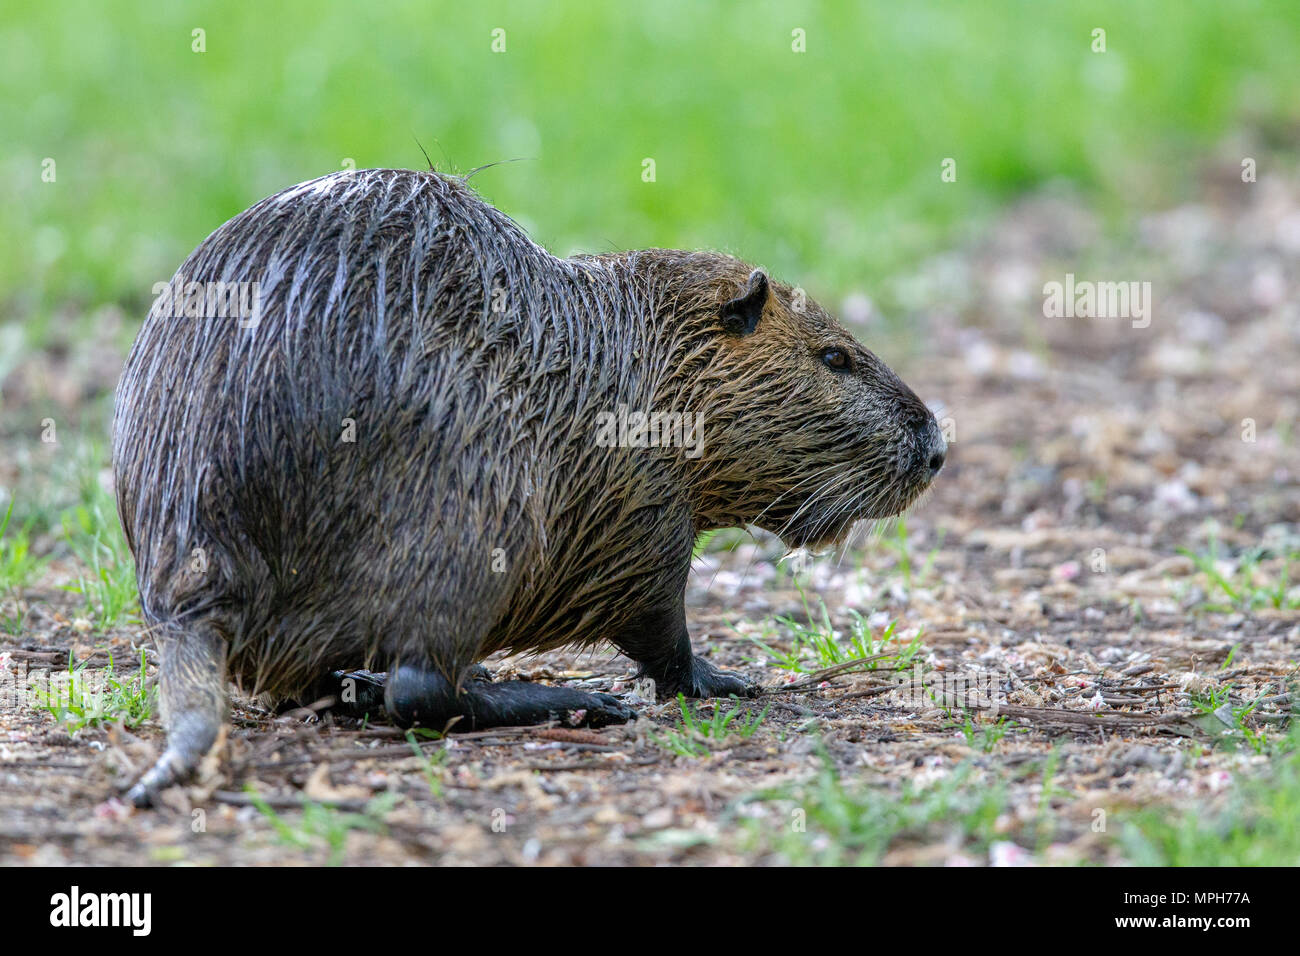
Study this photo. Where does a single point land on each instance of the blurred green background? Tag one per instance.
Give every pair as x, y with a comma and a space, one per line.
822, 165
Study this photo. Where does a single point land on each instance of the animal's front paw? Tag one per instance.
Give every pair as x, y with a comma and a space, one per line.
702, 679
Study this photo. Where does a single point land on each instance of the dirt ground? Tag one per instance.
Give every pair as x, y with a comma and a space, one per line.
1047, 564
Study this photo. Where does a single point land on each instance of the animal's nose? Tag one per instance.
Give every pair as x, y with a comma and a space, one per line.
934, 447
936, 462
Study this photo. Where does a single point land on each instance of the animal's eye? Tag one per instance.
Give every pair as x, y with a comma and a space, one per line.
836, 360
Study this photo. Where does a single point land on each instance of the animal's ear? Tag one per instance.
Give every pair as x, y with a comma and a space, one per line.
740, 316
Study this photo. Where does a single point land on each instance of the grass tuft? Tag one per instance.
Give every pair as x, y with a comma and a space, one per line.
322, 826
696, 736
86, 698
1245, 585
814, 646
107, 582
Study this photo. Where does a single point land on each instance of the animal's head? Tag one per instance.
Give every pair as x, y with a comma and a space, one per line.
806, 431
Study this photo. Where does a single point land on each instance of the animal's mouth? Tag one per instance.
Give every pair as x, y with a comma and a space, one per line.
893, 476
829, 528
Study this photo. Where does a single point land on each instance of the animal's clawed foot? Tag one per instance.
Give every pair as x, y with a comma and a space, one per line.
176, 765
605, 709
701, 679
140, 796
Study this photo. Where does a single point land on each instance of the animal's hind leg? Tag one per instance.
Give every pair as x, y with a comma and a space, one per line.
193, 694
428, 698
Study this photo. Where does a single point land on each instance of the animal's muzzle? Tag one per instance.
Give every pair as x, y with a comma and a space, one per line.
932, 449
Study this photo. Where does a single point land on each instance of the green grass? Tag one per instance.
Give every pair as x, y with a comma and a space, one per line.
1212, 699
84, 698
18, 568
431, 764
1258, 825
985, 736
324, 827
106, 581
830, 822
1245, 585
696, 735
1230, 727
60, 513
701, 546
816, 644
900, 546
822, 165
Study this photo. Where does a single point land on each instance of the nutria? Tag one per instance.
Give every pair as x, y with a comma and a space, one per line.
402, 456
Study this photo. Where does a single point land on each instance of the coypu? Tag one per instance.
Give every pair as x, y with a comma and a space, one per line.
394, 461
